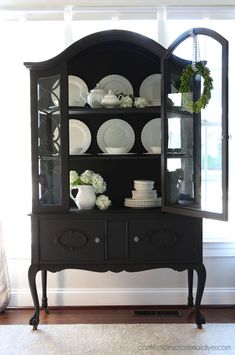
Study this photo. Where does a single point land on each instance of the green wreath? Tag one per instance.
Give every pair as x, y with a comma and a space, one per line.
186, 81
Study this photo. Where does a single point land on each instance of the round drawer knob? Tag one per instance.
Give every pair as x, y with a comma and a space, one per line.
136, 239
97, 240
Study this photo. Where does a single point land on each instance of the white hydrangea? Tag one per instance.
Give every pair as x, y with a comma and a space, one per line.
86, 177
73, 176
103, 202
98, 183
126, 101
140, 102
94, 179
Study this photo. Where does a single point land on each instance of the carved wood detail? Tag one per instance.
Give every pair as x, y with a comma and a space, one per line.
72, 239
163, 238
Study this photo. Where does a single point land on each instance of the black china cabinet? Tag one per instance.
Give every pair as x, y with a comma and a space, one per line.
133, 238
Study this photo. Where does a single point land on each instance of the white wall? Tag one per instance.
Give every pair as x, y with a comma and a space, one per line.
162, 286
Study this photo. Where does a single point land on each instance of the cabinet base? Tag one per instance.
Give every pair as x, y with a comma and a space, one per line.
200, 269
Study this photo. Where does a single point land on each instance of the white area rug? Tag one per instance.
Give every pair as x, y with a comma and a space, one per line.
105, 339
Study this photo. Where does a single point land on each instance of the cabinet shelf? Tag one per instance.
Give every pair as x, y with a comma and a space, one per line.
115, 156
114, 210
118, 110
179, 155
179, 112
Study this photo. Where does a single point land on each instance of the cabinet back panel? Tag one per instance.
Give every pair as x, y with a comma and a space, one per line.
124, 171
114, 57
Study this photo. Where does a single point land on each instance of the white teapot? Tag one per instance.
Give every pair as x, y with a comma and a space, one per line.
110, 100
95, 96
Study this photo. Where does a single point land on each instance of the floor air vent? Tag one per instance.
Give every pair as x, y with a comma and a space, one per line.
154, 313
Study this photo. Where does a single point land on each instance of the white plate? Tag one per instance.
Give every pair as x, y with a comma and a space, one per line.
151, 134
150, 89
77, 91
129, 202
115, 133
79, 137
117, 84
144, 195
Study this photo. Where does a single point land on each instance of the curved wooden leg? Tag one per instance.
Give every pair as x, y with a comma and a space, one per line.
190, 287
32, 284
201, 274
44, 290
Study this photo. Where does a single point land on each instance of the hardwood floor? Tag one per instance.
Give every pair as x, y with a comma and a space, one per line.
117, 314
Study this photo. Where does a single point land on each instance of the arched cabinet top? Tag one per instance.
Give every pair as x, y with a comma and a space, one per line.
109, 39
195, 31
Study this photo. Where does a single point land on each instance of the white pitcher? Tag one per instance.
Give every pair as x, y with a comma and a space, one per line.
85, 198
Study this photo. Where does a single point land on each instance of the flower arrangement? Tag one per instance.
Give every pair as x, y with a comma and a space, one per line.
132, 101
91, 178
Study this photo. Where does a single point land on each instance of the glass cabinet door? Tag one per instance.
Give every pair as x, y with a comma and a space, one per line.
49, 141
195, 125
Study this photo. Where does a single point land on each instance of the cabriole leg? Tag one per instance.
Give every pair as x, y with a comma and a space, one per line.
201, 274
190, 287
44, 290
33, 289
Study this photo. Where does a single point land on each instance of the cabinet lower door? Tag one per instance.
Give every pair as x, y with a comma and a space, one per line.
69, 241
168, 239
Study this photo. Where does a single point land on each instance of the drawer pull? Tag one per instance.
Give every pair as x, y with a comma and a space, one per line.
136, 239
97, 240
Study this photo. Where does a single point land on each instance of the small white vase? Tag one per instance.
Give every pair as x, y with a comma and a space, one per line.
85, 198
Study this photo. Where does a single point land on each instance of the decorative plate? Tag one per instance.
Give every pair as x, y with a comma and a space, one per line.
78, 91
151, 134
115, 133
129, 202
150, 89
117, 84
79, 137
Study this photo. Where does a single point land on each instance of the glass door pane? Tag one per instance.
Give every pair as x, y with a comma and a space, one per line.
49, 142
195, 139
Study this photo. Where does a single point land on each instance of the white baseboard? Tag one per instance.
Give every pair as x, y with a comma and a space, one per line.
122, 296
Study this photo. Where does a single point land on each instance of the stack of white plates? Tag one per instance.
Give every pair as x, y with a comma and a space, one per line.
129, 202
144, 196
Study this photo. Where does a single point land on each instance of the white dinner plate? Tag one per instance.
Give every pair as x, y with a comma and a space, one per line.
79, 137
150, 89
151, 134
129, 202
115, 133
77, 91
118, 84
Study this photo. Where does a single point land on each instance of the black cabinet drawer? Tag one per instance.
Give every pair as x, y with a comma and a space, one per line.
166, 239
71, 241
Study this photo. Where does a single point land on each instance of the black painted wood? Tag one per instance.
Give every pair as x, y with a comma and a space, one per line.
119, 238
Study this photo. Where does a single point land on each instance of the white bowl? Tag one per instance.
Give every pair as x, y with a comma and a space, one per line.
143, 184
116, 150
155, 150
